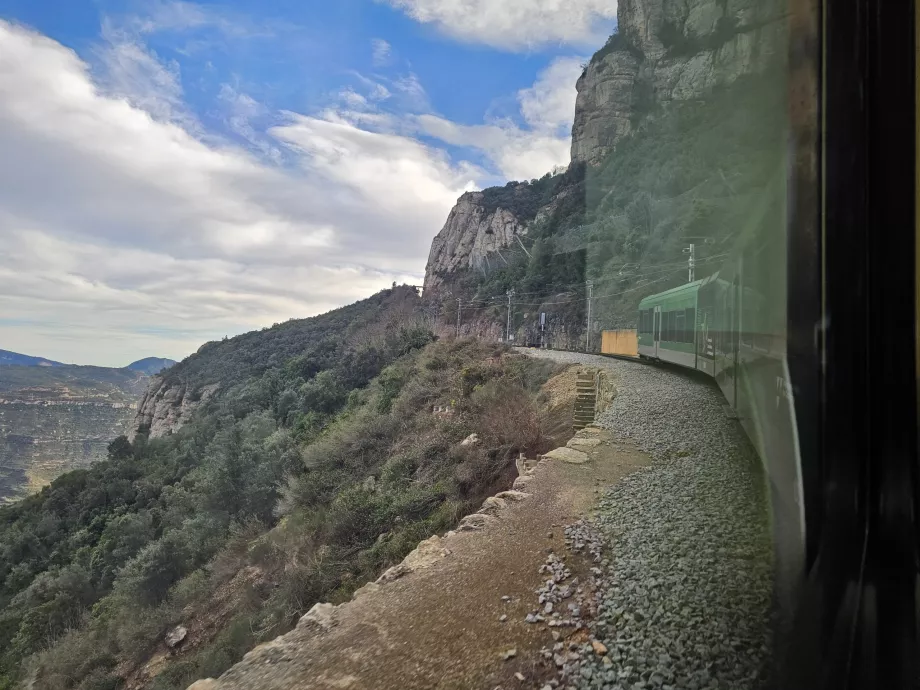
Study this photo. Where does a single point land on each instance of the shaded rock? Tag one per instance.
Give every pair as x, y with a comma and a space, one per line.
176, 636
321, 615
569, 455
492, 505
470, 440
474, 522
512, 495
204, 684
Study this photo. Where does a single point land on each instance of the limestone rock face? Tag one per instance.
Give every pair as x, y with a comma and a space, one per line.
166, 407
665, 51
471, 233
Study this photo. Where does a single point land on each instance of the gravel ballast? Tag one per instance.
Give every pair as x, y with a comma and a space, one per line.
682, 577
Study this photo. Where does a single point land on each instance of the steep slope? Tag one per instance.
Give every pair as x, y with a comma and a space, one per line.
677, 136
176, 393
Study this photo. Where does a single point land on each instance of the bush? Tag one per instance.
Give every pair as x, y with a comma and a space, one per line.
509, 417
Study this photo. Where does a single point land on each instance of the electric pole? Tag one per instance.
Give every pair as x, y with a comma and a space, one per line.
508, 326
691, 259
588, 331
459, 302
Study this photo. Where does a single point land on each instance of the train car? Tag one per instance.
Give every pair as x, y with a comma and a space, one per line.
731, 326
809, 328
667, 325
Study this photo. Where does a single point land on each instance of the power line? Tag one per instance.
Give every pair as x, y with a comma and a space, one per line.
666, 268
638, 287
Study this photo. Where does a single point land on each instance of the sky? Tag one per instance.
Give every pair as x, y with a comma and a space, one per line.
176, 172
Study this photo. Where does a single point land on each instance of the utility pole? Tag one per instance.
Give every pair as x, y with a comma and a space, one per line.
508, 326
542, 330
459, 302
588, 331
691, 252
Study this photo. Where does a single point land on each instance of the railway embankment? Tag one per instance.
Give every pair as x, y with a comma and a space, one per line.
682, 579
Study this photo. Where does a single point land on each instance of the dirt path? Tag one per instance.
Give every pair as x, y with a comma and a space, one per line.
439, 626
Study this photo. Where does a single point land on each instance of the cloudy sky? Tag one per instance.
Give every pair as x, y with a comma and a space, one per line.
173, 172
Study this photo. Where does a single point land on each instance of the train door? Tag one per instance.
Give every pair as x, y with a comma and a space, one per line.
728, 370
656, 330
736, 331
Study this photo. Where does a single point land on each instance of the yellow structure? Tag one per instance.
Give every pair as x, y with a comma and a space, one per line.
622, 342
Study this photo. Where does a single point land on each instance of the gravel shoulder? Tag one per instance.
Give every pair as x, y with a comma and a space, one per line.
683, 577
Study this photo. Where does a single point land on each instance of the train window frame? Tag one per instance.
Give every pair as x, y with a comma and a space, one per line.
855, 388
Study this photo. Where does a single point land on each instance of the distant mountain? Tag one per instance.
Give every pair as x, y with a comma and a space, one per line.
151, 365
14, 359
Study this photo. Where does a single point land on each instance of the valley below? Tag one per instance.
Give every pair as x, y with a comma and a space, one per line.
58, 417
42, 439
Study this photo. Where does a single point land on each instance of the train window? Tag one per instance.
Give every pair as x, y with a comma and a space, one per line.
690, 320
680, 335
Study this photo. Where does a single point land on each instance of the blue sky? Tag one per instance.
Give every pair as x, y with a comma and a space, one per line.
179, 171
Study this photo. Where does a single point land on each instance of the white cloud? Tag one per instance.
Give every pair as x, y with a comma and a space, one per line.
126, 235
547, 108
178, 16
516, 24
133, 72
549, 104
241, 110
381, 52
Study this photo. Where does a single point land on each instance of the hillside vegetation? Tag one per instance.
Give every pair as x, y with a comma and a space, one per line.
319, 464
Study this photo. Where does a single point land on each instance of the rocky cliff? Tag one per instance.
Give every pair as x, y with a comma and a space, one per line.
166, 407
471, 233
664, 51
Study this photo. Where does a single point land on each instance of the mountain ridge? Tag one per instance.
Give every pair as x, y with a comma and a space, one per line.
16, 359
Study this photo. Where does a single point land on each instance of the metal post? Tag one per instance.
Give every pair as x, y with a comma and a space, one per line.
459, 302
588, 331
508, 325
691, 262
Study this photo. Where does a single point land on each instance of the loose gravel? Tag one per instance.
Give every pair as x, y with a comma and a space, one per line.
680, 591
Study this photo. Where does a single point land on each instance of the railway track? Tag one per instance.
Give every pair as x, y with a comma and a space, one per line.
685, 593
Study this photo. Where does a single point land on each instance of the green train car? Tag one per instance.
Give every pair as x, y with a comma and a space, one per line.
732, 326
